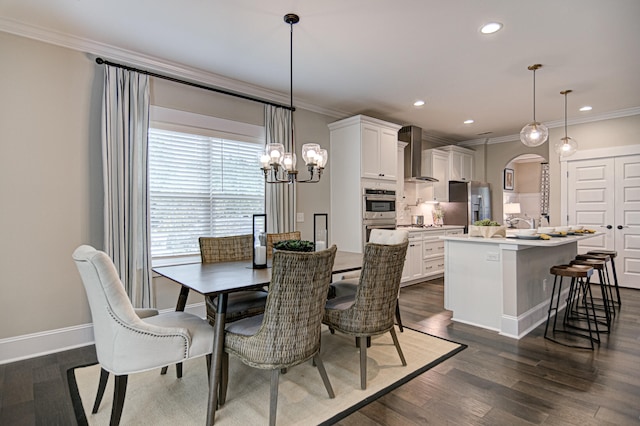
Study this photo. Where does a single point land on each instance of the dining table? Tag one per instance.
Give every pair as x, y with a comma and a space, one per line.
221, 278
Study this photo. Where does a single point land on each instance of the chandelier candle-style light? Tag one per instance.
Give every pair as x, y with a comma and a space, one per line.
534, 133
566, 146
280, 166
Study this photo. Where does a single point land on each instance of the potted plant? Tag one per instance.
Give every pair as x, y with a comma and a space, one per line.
487, 228
293, 245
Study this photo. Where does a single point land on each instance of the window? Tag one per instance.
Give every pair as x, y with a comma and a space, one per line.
200, 185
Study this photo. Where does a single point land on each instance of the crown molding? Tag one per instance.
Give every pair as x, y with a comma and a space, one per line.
157, 65
558, 123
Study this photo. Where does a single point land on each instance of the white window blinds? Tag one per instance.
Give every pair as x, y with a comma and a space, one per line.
200, 186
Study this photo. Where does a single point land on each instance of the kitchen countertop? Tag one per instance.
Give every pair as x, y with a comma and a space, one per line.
512, 240
411, 228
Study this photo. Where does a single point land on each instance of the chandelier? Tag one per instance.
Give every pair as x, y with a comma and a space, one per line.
534, 133
280, 166
566, 146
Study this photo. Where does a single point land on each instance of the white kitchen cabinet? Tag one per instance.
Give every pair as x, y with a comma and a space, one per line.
460, 162
378, 152
362, 148
425, 254
413, 262
435, 163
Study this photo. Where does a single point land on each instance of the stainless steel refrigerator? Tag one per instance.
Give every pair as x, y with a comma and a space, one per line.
468, 202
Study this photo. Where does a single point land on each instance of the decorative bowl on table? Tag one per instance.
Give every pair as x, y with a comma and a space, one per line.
561, 229
546, 230
576, 227
526, 232
487, 229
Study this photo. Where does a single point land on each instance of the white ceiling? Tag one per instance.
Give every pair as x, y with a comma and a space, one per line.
377, 57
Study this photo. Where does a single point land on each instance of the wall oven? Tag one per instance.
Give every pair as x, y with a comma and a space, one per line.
379, 204
378, 211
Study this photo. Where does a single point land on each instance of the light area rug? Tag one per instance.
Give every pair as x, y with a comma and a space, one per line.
154, 399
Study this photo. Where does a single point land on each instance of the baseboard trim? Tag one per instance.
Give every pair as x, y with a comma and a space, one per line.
47, 342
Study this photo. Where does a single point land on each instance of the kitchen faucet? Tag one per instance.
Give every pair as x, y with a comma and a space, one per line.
530, 221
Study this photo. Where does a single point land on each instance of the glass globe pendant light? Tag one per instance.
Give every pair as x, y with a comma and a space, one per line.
566, 146
534, 133
280, 166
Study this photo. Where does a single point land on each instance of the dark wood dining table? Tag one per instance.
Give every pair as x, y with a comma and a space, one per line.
220, 279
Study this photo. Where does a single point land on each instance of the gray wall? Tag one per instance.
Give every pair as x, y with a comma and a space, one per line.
51, 177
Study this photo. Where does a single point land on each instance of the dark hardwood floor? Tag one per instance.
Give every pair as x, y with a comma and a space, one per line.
495, 381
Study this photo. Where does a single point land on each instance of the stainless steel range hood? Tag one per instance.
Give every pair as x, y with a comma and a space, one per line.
413, 155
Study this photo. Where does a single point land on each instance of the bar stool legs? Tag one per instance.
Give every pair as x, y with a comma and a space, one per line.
607, 306
580, 299
612, 255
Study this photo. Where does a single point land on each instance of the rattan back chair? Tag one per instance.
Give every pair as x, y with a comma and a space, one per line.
241, 304
288, 333
274, 238
370, 311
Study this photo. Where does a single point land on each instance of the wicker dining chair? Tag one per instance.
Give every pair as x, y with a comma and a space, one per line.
288, 333
240, 304
274, 238
370, 311
348, 283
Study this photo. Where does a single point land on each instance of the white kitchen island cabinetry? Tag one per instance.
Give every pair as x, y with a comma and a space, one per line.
503, 284
425, 254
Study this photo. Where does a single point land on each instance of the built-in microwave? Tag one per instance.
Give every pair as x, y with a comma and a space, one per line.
379, 204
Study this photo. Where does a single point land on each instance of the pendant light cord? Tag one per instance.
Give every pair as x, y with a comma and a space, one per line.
534, 95
293, 144
565, 114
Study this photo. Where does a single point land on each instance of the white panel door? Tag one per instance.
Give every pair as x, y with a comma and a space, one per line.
604, 194
627, 226
591, 200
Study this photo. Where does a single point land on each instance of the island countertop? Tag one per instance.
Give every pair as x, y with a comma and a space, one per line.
515, 241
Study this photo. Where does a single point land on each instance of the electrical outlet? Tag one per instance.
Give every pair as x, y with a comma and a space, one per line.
544, 285
493, 256
300, 217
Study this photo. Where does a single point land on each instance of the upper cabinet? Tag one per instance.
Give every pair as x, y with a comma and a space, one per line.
375, 142
435, 163
460, 162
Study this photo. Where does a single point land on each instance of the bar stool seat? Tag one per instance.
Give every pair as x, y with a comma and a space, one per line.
612, 255
579, 275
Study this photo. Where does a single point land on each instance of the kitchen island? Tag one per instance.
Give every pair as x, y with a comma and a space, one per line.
503, 284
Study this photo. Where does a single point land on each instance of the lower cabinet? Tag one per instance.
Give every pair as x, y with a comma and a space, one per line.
425, 255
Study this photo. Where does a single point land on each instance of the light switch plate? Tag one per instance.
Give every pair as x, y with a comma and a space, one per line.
299, 217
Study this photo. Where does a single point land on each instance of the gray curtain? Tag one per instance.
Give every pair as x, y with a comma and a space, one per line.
280, 198
125, 124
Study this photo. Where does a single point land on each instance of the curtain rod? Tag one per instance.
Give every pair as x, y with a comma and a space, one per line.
199, 86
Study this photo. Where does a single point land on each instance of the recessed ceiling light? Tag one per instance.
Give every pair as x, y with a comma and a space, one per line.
468, 121
490, 28
586, 108
418, 103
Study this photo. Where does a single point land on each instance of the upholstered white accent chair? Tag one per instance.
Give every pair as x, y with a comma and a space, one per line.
126, 343
349, 281
370, 310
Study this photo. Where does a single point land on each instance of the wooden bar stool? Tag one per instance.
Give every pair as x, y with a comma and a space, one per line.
605, 276
607, 306
579, 275
612, 255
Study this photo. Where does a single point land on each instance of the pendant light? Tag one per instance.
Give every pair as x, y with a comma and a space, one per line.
566, 146
534, 133
280, 166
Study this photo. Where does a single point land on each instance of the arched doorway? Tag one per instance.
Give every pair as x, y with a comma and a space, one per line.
523, 193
